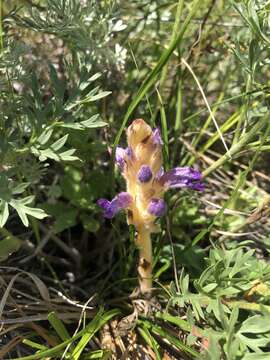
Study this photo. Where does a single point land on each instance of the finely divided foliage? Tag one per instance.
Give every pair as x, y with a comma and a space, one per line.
189, 185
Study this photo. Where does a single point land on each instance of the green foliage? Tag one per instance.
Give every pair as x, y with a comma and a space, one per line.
218, 301
38, 130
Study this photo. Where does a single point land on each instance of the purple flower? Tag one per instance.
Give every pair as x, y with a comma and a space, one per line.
182, 177
199, 186
144, 174
160, 173
129, 152
119, 202
157, 140
123, 200
120, 157
157, 207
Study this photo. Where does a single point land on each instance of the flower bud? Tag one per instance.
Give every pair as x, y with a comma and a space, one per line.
157, 207
138, 132
144, 174
120, 157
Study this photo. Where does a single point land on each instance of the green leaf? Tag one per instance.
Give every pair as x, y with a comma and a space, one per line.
68, 155
257, 356
4, 212
18, 189
98, 354
152, 76
22, 210
64, 215
45, 136
256, 325
34, 345
58, 86
210, 287
5, 192
176, 320
58, 326
8, 246
83, 85
150, 340
59, 143
92, 122
100, 320
89, 332
99, 96
171, 339
49, 153
89, 223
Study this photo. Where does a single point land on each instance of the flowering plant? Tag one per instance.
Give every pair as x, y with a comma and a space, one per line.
146, 181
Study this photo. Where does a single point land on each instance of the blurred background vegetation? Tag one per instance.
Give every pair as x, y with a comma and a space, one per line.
73, 73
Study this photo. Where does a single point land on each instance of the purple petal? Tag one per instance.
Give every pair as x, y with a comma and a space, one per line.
108, 208
104, 203
199, 186
119, 202
120, 157
129, 152
123, 200
144, 174
157, 140
160, 173
183, 173
182, 177
157, 207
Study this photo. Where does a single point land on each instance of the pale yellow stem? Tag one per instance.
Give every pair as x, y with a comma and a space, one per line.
145, 260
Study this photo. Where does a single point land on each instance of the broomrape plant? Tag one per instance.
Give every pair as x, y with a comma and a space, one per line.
146, 182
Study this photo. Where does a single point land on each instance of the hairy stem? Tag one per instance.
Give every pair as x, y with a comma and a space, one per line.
145, 260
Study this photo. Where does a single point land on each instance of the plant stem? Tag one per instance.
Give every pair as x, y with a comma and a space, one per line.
145, 260
236, 147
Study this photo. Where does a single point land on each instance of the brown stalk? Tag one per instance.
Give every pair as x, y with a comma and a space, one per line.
145, 260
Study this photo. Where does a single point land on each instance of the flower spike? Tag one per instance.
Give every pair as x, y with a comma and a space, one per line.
146, 181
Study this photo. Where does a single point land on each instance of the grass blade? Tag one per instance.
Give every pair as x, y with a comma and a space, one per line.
155, 329
151, 78
150, 341
58, 326
100, 319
